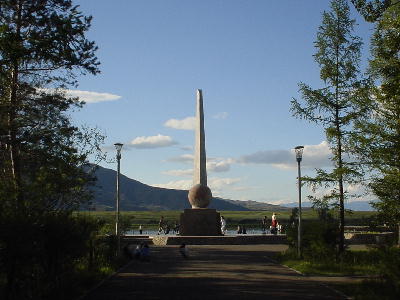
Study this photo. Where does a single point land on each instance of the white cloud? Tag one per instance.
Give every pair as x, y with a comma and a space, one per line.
221, 116
186, 172
157, 141
92, 97
314, 156
217, 185
213, 164
266, 157
184, 158
185, 124
176, 185
187, 148
219, 165
87, 96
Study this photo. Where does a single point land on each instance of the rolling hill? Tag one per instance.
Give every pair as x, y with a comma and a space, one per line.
138, 196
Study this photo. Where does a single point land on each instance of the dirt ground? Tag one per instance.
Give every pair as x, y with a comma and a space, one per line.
213, 272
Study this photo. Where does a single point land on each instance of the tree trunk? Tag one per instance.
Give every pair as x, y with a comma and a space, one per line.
12, 116
398, 238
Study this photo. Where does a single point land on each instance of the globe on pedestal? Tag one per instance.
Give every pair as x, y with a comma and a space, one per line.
200, 196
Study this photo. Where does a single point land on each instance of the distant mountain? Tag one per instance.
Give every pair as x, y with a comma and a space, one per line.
355, 205
138, 196
254, 205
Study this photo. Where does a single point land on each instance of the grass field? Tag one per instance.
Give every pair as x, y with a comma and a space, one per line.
233, 218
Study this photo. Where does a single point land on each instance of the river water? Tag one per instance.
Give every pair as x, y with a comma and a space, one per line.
228, 232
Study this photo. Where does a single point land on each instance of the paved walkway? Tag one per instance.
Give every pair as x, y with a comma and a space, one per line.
232, 272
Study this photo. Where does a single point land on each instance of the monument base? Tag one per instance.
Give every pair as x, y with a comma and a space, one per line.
200, 222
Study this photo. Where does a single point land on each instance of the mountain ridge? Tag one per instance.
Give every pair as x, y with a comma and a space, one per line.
135, 195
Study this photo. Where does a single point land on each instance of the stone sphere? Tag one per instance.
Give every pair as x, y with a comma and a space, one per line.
200, 196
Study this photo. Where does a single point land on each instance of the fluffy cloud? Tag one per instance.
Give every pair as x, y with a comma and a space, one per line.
185, 124
87, 96
219, 165
314, 156
187, 148
157, 141
186, 172
221, 116
217, 185
185, 158
176, 185
92, 97
213, 164
266, 157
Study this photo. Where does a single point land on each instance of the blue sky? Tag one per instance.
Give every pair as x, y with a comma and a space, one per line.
246, 56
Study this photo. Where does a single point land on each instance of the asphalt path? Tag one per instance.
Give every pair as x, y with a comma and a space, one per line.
232, 272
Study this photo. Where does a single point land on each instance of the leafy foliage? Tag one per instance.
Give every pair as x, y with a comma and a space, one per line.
335, 105
319, 238
43, 48
372, 10
377, 136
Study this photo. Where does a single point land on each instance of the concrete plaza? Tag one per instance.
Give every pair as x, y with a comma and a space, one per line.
212, 272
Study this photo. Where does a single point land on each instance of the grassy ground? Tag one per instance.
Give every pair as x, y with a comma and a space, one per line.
331, 269
365, 265
251, 218
367, 290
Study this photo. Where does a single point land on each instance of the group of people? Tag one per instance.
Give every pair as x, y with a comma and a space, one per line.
241, 229
165, 228
142, 252
274, 226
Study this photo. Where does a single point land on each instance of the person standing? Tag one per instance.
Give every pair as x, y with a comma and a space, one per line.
183, 250
274, 224
161, 225
264, 224
176, 228
140, 229
223, 225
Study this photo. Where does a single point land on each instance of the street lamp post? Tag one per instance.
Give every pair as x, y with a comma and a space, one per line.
118, 146
299, 155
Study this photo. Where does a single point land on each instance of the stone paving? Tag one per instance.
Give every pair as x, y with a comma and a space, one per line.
212, 272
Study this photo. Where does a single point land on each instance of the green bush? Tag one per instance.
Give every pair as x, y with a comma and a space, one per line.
318, 239
44, 255
390, 267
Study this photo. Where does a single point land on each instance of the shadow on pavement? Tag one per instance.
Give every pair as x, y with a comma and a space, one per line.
210, 272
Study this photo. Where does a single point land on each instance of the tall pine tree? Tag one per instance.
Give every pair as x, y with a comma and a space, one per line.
42, 48
334, 105
42, 45
378, 135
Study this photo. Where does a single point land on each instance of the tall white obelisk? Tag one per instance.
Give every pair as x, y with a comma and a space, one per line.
200, 220
200, 170
200, 194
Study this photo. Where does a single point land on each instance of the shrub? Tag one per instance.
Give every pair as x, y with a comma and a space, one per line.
318, 239
390, 267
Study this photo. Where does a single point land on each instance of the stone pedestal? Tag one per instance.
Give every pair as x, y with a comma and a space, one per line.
200, 222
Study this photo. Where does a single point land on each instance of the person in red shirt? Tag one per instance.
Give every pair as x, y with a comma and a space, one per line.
274, 224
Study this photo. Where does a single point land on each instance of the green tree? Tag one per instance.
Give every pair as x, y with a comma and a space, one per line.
334, 106
42, 45
378, 135
43, 49
372, 10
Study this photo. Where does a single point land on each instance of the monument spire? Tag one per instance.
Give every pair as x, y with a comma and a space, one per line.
200, 220
200, 169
